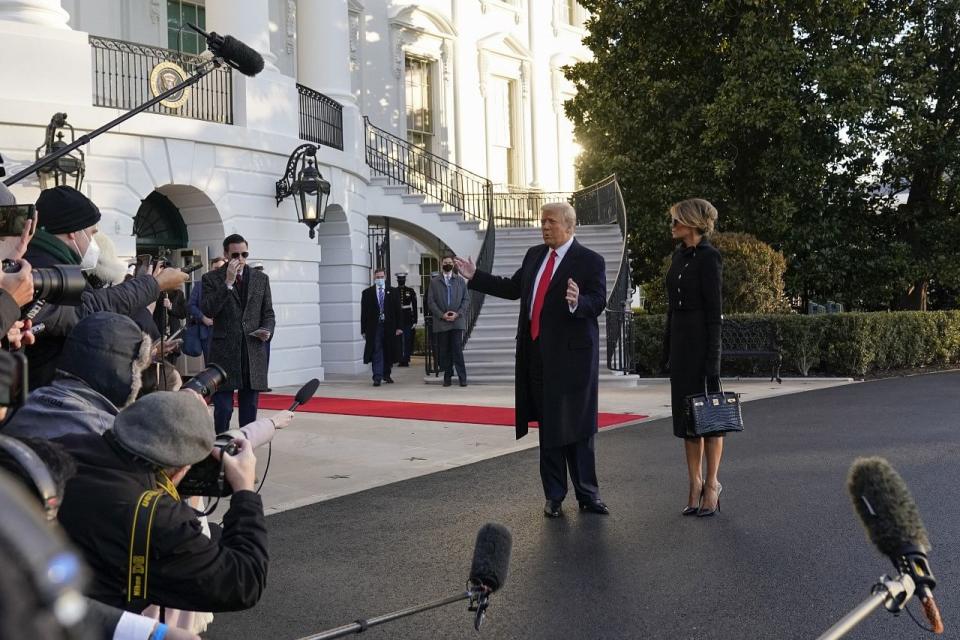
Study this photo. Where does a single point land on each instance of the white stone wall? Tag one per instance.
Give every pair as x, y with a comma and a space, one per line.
222, 177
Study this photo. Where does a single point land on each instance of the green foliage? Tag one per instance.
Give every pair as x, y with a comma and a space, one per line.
752, 277
845, 344
797, 120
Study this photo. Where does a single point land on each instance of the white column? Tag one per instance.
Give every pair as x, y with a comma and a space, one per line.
268, 102
245, 20
44, 13
323, 48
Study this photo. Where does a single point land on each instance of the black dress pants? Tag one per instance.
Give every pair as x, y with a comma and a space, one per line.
450, 354
576, 457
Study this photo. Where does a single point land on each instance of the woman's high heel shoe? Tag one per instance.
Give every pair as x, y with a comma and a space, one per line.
692, 511
706, 513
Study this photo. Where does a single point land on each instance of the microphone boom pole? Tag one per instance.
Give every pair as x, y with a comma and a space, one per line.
892, 593
362, 625
199, 74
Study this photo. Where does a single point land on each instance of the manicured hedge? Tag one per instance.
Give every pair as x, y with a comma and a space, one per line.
844, 344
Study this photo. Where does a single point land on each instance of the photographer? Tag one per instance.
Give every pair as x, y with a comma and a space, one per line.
99, 372
30, 461
151, 447
67, 223
16, 289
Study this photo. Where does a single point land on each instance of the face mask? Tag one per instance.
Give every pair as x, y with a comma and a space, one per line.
448, 268
90, 256
379, 282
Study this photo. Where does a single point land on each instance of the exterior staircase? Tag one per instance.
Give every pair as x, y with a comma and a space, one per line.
424, 219
489, 354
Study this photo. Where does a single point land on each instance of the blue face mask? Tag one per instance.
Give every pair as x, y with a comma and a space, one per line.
379, 282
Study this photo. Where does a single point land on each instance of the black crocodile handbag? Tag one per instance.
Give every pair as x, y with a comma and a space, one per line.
713, 413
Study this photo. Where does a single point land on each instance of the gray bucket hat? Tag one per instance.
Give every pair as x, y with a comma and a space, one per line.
166, 428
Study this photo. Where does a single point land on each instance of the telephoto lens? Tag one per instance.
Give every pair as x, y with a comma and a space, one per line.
207, 381
62, 284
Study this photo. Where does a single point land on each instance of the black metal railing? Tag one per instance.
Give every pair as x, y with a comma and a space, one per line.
522, 209
427, 174
321, 118
603, 203
122, 80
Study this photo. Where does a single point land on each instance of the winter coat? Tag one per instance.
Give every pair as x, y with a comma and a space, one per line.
569, 342
370, 317
691, 342
66, 406
236, 313
126, 299
186, 569
459, 302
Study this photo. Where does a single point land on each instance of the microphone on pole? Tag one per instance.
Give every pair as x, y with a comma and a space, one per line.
892, 520
488, 573
490, 567
235, 53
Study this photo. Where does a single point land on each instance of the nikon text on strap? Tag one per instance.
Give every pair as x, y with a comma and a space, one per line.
140, 545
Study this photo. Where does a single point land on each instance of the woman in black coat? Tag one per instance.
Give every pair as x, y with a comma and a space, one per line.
691, 345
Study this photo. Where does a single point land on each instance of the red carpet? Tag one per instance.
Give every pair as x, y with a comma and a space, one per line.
472, 414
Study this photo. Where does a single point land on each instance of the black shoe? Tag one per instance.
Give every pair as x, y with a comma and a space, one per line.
595, 506
706, 513
463, 383
551, 509
376, 383
388, 379
447, 382
268, 390
692, 511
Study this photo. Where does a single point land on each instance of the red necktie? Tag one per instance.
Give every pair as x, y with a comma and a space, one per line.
542, 287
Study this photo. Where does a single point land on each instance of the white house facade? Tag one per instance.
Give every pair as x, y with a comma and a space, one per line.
474, 88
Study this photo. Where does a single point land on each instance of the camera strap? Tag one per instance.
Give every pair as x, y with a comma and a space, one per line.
138, 563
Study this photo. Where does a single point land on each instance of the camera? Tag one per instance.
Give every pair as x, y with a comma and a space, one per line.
207, 381
62, 284
206, 478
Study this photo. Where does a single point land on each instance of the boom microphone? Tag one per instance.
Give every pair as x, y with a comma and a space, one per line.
893, 524
234, 53
491, 557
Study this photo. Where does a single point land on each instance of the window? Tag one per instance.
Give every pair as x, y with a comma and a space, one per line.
179, 14
505, 169
575, 14
419, 102
429, 265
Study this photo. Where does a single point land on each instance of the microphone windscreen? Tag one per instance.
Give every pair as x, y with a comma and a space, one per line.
885, 506
491, 556
306, 391
240, 56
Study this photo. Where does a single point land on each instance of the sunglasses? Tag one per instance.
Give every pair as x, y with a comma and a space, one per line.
674, 222
237, 254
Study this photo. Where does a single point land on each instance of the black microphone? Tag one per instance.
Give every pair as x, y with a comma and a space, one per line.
306, 392
893, 524
491, 557
234, 53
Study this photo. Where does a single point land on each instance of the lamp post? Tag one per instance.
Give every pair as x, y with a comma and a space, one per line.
303, 181
66, 168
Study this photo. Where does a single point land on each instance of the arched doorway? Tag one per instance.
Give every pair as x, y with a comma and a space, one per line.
160, 229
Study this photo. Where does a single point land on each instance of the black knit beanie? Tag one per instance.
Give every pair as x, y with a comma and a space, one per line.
64, 209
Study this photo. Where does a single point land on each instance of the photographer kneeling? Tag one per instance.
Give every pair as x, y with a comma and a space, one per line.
131, 474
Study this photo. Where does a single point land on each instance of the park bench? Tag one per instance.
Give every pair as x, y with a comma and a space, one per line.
752, 339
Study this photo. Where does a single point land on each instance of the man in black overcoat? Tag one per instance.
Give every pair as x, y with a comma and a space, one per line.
239, 301
562, 289
380, 325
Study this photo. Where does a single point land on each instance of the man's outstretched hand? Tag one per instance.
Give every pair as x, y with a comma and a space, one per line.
466, 267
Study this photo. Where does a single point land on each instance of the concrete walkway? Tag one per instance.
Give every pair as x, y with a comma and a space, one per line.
323, 456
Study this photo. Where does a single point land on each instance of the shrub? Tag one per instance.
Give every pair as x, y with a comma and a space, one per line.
752, 277
845, 344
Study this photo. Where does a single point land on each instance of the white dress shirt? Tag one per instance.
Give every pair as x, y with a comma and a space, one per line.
561, 251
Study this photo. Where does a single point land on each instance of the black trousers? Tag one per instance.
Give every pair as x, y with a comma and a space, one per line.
450, 354
577, 458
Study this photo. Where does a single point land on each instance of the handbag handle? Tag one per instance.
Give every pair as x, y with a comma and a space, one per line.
719, 383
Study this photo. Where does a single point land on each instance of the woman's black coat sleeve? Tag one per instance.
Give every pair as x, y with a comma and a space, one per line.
711, 286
